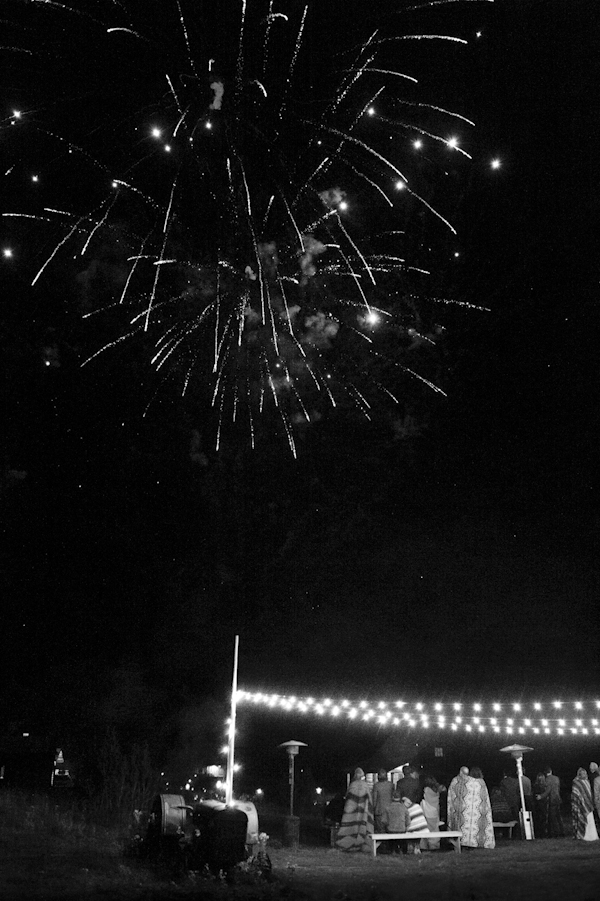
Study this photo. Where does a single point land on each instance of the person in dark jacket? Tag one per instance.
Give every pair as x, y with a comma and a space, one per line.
409, 786
382, 797
396, 818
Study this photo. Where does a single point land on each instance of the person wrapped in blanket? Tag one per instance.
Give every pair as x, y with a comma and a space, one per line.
501, 809
356, 826
418, 823
470, 811
582, 808
431, 808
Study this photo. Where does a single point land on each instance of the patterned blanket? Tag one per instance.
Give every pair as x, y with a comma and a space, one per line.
470, 812
581, 807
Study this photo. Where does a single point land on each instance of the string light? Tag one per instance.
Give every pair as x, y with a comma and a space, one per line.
479, 716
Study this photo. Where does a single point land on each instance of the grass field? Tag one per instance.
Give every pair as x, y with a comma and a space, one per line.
50, 853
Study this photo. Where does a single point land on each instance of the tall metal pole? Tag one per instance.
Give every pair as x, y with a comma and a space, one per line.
291, 765
520, 778
231, 742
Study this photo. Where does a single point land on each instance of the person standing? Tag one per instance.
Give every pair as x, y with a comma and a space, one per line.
409, 786
510, 787
527, 793
470, 811
382, 797
357, 818
582, 808
552, 793
595, 785
431, 808
501, 812
540, 807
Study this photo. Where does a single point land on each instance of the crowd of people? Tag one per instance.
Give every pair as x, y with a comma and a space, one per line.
543, 799
415, 804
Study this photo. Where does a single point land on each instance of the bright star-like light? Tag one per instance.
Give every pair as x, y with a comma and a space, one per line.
371, 111
452, 142
495, 164
342, 205
156, 133
7, 253
417, 144
400, 185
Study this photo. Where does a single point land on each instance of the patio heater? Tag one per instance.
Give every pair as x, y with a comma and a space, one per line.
517, 751
292, 823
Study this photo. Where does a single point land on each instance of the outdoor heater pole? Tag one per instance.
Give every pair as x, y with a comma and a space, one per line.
231, 742
291, 779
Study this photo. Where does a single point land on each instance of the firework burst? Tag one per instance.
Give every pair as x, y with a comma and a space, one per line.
243, 182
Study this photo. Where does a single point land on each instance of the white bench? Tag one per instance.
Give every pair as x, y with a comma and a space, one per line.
378, 837
510, 826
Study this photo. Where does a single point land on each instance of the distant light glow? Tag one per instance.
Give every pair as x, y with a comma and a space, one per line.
452, 143
495, 164
417, 144
7, 253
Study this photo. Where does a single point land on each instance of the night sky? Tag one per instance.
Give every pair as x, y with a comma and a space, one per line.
452, 549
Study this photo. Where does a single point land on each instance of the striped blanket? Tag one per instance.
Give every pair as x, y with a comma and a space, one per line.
357, 819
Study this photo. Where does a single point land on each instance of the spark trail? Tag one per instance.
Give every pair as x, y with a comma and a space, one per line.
254, 210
